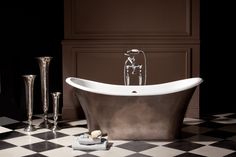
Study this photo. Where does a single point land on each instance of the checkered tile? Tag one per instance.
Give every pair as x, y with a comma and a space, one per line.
211, 136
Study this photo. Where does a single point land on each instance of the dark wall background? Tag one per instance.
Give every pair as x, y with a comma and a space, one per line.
35, 28
218, 30
28, 29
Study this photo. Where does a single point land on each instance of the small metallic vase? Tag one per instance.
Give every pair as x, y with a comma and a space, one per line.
55, 97
44, 78
29, 88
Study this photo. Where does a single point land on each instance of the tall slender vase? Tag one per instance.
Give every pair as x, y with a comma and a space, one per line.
29, 88
55, 98
44, 78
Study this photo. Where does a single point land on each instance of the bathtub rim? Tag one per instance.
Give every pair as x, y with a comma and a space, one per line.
134, 90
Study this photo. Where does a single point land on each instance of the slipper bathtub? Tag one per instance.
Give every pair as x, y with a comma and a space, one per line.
147, 112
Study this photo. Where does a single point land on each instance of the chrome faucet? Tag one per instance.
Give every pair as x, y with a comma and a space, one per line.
130, 63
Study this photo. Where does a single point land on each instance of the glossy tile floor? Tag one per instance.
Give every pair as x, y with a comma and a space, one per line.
211, 136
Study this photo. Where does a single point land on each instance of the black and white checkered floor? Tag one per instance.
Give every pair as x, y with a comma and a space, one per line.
212, 136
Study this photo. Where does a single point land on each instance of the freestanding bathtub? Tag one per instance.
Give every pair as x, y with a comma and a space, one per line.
148, 112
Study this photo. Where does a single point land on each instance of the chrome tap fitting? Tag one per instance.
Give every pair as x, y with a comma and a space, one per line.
130, 63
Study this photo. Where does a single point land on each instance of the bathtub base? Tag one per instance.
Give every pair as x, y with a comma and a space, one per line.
142, 134
136, 118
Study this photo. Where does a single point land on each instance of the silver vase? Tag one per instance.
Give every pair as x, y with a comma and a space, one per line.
44, 63
29, 88
55, 98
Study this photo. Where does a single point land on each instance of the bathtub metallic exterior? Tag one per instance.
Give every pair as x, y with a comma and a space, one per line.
158, 117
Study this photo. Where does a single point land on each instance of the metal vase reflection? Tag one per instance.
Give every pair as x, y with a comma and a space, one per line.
55, 97
29, 88
44, 79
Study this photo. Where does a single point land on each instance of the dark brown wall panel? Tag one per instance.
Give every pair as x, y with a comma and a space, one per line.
107, 65
98, 32
99, 19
